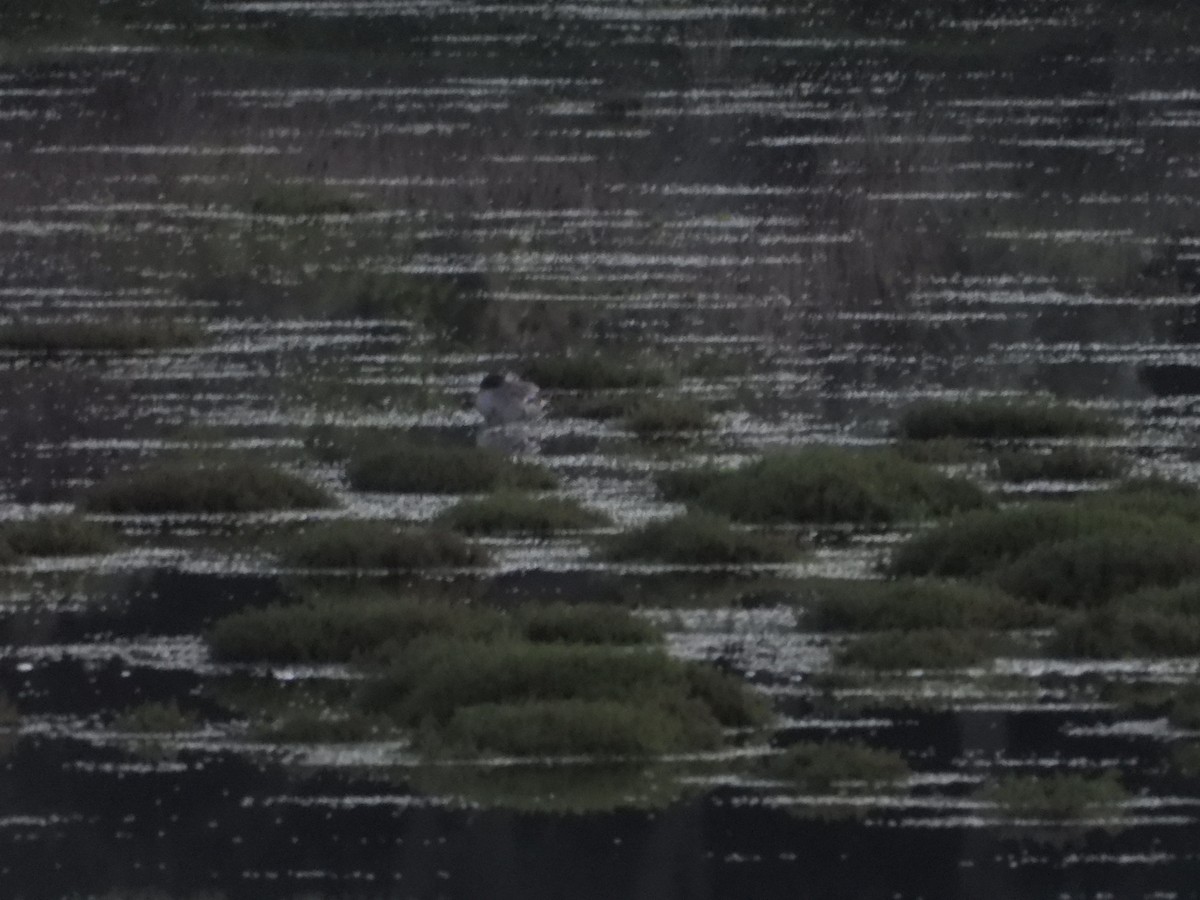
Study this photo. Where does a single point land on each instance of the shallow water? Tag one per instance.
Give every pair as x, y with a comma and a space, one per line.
816, 216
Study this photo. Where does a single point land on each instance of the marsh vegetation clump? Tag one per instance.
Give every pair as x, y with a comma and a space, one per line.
521, 697
999, 419
412, 467
367, 628
112, 336
378, 545
1091, 569
921, 648
979, 543
855, 605
1129, 633
667, 417
512, 511
1072, 463
1056, 796
302, 198
157, 718
595, 372
57, 535
825, 484
183, 486
583, 623
318, 726
841, 766
697, 538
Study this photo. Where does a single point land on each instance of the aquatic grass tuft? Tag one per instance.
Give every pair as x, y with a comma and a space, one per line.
573, 727
531, 698
697, 538
342, 629
856, 605
825, 484
318, 726
199, 487
57, 535
583, 623
410, 467
157, 718
1060, 464
667, 417
595, 372
921, 648
378, 545
841, 766
1056, 796
510, 511
1126, 634
301, 198
1086, 571
998, 419
114, 335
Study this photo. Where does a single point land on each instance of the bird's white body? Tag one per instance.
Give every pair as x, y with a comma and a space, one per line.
509, 401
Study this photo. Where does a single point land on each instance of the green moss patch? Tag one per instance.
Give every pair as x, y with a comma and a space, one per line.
510, 511
418, 468
193, 487
700, 539
996, 419
825, 484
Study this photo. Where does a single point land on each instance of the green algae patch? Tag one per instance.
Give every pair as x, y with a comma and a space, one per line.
698, 538
378, 545
825, 484
411, 467
1058, 796
998, 419
194, 487
511, 511
839, 767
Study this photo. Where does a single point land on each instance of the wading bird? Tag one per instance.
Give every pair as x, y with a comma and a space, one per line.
507, 400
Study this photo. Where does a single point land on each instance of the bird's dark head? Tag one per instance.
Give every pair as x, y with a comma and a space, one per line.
490, 381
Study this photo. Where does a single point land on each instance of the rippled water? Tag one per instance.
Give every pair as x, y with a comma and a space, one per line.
816, 216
